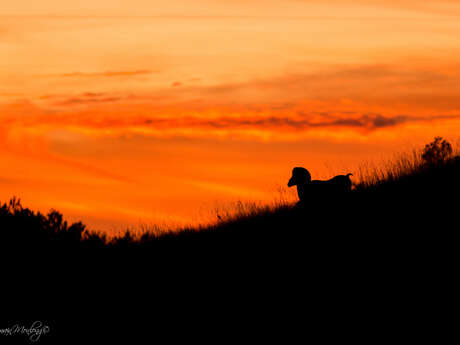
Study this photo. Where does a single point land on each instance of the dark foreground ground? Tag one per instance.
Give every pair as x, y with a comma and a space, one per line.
379, 260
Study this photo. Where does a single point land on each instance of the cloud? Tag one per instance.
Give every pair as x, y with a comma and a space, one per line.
105, 74
370, 122
85, 98
94, 94
118, 115
382, 121
260, 122
376, 84
359, 98
73, 101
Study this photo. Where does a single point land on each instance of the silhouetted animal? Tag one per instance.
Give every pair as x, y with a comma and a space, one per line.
307, 188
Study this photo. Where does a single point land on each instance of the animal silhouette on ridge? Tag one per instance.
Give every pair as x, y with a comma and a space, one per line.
307, 188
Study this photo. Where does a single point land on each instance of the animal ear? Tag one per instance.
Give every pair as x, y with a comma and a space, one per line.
307, 175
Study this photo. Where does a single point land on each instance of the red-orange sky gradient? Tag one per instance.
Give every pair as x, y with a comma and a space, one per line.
125, 112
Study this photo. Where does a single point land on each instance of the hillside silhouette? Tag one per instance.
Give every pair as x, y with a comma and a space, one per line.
414, 195
391, 241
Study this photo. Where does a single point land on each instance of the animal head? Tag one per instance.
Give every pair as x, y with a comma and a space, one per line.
299, 176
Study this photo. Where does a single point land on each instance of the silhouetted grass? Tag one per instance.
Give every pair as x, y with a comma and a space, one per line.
406, 193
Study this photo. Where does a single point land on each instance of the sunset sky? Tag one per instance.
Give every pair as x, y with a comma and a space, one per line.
125, 112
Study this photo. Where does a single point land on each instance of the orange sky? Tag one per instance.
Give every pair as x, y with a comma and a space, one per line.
120, 112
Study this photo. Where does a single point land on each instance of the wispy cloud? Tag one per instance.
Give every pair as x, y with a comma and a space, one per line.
124, 118
280, 124
379, 84
86, 98
416, 88
105, 74
361, 98
74, 101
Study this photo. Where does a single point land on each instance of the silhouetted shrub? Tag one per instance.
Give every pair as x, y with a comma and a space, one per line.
23, 228
438, 151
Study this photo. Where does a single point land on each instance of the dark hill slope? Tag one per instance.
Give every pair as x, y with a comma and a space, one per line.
377, 260
424, 202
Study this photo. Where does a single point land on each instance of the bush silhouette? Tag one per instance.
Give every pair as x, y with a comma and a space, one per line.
28, 229
438, 151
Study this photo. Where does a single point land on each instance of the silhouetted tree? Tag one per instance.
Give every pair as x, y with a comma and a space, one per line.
438, 151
